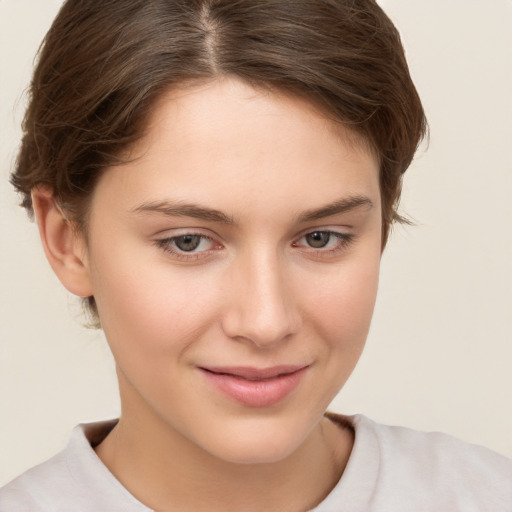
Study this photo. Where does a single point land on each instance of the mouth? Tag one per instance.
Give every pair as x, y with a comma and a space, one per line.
255, 387
255, 374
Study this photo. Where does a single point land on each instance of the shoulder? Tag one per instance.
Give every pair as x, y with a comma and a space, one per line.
435, 451
462, 475
398, 468
33, 489
75, 479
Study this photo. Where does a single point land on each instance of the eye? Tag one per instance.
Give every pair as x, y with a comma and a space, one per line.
187, 243
324, 242
188, 246
318, 239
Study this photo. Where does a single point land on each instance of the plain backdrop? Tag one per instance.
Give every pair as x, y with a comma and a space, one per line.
439, 354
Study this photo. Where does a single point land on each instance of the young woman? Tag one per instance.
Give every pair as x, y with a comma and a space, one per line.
217, 180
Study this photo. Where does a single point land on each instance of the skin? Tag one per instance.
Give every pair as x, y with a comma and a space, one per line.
253, 293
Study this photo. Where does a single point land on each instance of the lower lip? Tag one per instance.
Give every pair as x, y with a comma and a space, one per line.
256, 393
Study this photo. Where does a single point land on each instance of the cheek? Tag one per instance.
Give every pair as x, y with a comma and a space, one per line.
343, 306
146, 305
338, 320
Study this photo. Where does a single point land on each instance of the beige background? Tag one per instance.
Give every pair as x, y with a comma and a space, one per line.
439, 356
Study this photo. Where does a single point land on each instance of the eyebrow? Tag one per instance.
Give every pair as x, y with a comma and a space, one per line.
179, 209
344, 205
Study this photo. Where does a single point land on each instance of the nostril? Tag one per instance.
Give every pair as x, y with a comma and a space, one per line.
262, 308
263, 328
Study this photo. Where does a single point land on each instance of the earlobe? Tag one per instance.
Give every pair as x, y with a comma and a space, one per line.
63, 246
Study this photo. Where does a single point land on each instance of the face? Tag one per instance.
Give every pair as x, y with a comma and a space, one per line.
234, 262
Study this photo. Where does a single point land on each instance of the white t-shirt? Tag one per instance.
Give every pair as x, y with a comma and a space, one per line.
391, 469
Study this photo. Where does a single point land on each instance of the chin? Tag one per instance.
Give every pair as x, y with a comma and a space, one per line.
257, 443
255, 453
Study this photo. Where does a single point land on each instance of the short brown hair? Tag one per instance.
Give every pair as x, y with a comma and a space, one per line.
103, 64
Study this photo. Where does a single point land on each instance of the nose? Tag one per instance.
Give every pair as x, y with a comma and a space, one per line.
262, 308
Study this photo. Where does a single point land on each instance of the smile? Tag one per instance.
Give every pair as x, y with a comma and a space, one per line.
255, 387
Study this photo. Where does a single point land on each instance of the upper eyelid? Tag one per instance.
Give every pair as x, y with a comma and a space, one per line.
337, 234
174, 237
325, 225
169, 234
206, 233
343, 231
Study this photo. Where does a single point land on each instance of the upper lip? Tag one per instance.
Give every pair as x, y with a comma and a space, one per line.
251, 373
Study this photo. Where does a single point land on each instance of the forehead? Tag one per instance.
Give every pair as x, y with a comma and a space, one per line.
226, 102
226, 137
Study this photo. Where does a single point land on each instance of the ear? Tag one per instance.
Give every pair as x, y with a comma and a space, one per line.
63, 246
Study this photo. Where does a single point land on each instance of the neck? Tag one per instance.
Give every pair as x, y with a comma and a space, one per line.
165, 470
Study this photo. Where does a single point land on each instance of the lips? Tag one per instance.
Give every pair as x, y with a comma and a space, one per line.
255, 387
253, 374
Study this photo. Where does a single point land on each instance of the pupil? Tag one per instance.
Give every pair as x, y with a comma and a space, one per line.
188, 243
318, 239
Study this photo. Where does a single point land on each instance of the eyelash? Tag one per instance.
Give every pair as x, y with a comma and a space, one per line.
167, 245
344, 240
